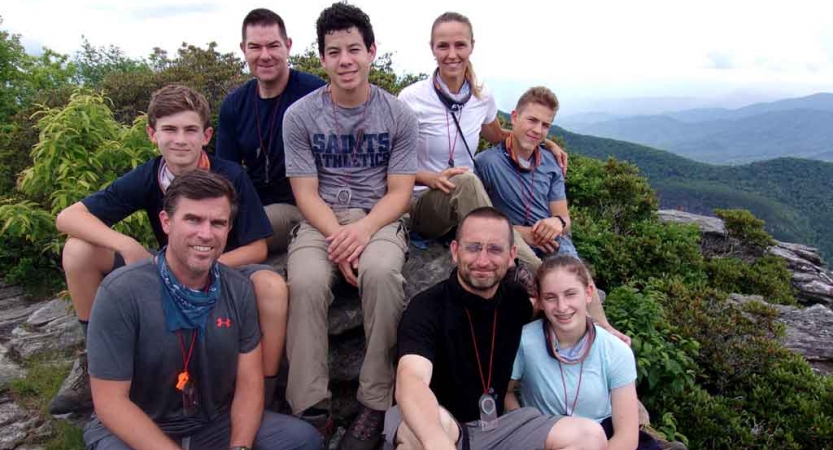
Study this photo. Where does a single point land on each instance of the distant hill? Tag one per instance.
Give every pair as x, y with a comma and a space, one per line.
794, 196
800, 127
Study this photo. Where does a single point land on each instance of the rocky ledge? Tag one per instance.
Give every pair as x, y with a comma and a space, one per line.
809, 331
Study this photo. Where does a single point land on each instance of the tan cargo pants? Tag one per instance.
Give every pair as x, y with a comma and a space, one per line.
381, 287
283, 217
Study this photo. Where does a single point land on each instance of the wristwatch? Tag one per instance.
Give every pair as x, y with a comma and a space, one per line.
563, 222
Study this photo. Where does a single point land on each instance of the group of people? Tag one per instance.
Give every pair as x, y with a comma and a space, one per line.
184, 343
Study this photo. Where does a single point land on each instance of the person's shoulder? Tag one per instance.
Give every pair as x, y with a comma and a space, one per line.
233, 277
239, 93
432, 296
229, 169
415, 91
309, 102
143, 175
489, 156
532, 330
611, 343
130, 277
304, 83
548, 159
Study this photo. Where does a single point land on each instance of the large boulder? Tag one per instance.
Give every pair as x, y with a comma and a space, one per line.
809, 331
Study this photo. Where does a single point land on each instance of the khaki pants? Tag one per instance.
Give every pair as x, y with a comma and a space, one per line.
381, 287
283, 217
435, 213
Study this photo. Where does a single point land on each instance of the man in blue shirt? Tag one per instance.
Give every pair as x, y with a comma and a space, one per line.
250, 131
178, 125
527, 185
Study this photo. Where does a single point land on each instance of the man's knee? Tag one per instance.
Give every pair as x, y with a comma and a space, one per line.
80, 255
576, 433
466, 180
278, 431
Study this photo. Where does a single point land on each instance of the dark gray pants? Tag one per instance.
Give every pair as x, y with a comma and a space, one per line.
276, 432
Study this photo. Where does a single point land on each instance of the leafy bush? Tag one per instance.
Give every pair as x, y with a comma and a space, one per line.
767, 276
746, 228
665, 364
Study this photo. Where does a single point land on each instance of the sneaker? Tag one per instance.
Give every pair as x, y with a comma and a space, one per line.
366, 431
75, 394
322, 420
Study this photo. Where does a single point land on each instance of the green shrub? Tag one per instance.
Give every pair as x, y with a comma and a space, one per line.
767, 276
746, 228
665, 364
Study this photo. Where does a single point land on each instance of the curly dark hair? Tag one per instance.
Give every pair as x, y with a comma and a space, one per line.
342, 16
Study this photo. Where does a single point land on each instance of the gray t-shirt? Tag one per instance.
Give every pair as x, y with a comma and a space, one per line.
128, 341
320, 140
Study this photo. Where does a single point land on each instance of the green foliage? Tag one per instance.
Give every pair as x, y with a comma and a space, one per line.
43, 378
769, 396
67, 437
746, 228
81, 149
96, 63
664, 359
767, 276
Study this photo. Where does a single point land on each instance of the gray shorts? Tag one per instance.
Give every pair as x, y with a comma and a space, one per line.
524, 428
248, 270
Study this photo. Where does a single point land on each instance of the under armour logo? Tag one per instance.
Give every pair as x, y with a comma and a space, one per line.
223, 322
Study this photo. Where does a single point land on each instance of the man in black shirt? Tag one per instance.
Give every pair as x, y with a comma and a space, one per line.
457, 344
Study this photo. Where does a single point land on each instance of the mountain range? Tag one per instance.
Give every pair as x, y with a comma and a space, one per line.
799, 127
792, 195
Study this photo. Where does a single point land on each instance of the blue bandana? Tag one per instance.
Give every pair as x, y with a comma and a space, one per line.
186, 308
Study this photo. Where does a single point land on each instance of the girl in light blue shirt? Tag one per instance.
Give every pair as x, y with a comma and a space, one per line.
568, 366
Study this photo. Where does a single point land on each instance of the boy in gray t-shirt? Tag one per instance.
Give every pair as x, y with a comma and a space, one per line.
351, 161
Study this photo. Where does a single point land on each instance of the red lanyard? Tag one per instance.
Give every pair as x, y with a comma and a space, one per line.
183, 378
524, 193
268, 146
578, 388
451, 146
486, 385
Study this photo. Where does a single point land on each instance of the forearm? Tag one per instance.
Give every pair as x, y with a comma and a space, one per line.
623, 441
251, 253
420, 409
511, 402
423, 177
130, 424
246, 411
596, 310
388, 209
318, 213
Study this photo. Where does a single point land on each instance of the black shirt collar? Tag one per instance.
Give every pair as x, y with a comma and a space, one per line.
472, 301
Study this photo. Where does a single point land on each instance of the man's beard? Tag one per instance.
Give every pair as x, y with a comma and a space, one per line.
482, 284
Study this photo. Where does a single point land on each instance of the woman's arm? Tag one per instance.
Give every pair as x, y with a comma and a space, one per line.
625, 418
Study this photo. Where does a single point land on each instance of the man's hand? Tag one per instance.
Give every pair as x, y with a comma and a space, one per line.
133, 251
347, 244
547, 246
547, 229
441, 180
350, 270
559, 154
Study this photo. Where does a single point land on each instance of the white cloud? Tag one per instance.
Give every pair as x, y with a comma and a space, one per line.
590, 49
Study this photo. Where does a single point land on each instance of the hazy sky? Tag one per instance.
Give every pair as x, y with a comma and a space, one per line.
589, 52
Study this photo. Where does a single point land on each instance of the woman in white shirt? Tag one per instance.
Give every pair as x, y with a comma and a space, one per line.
454, 111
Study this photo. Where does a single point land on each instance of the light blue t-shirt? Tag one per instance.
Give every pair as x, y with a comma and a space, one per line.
503, 183
610, 365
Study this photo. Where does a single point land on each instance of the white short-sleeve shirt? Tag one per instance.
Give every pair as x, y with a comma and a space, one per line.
438, 134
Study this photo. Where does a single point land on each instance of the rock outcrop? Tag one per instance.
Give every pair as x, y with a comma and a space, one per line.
809, 331
811, 278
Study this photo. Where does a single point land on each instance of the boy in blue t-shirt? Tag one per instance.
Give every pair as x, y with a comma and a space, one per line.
178, 124
527, 185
